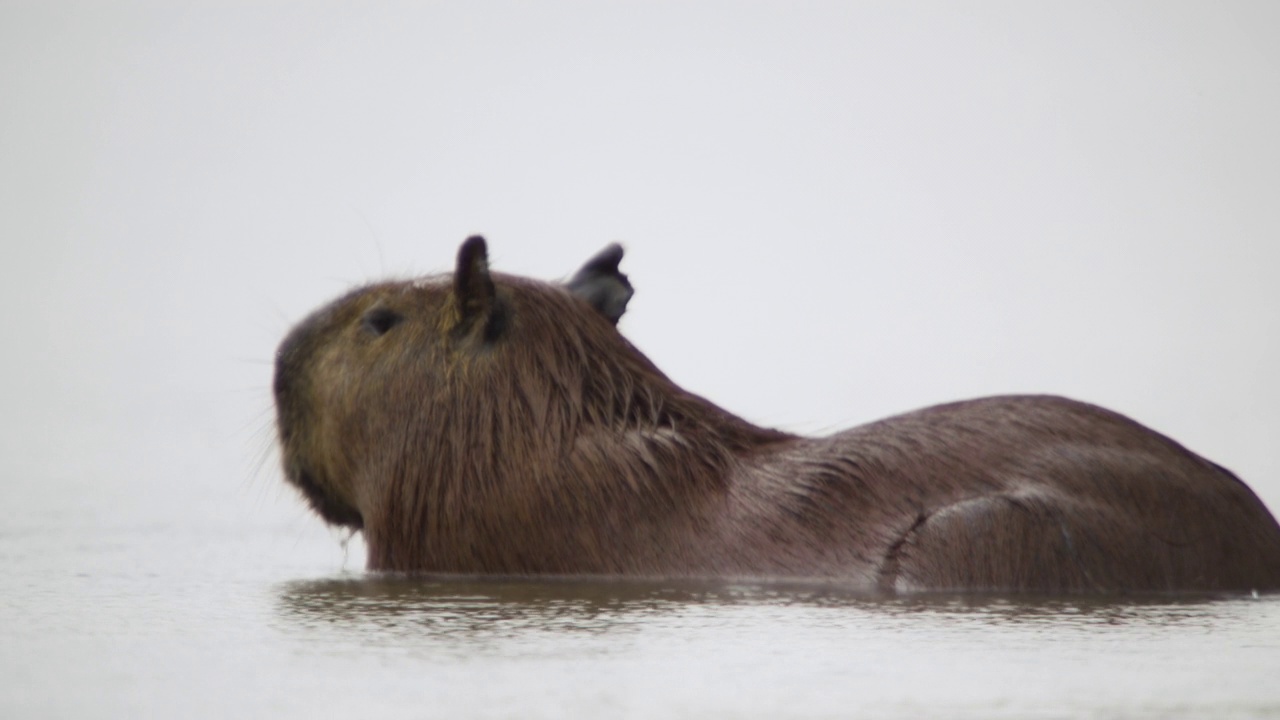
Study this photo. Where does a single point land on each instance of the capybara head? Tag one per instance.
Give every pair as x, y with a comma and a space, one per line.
444, 373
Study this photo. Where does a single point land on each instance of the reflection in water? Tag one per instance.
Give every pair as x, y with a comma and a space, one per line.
479, 609
472, 608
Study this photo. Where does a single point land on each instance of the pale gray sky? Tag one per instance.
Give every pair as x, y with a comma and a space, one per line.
832, 211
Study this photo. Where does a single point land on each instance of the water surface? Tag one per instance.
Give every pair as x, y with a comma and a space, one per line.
165, 621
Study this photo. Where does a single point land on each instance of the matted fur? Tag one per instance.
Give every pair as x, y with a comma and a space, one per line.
486, 424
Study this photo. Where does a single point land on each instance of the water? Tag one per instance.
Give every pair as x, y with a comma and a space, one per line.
163, 620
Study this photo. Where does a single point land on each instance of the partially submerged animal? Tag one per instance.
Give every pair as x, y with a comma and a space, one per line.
482, 423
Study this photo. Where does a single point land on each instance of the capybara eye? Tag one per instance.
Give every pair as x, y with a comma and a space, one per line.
380, 320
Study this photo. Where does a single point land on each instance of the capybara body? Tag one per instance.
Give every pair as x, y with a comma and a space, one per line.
486, 424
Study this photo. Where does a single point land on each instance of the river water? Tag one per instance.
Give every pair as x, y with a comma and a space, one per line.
163, 620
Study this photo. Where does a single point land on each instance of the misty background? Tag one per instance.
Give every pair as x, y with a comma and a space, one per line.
833, 212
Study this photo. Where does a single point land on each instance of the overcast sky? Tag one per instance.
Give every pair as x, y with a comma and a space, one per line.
832, 211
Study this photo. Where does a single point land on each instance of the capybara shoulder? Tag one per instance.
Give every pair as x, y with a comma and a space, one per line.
481, 423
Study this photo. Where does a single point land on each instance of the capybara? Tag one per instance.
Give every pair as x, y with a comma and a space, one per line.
486, 424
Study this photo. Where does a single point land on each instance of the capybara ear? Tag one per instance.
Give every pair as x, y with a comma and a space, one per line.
601, 284
472, 284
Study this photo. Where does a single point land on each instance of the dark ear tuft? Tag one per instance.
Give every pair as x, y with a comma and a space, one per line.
601, 284
471, 282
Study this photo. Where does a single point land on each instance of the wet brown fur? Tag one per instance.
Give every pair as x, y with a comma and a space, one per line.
509, 428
